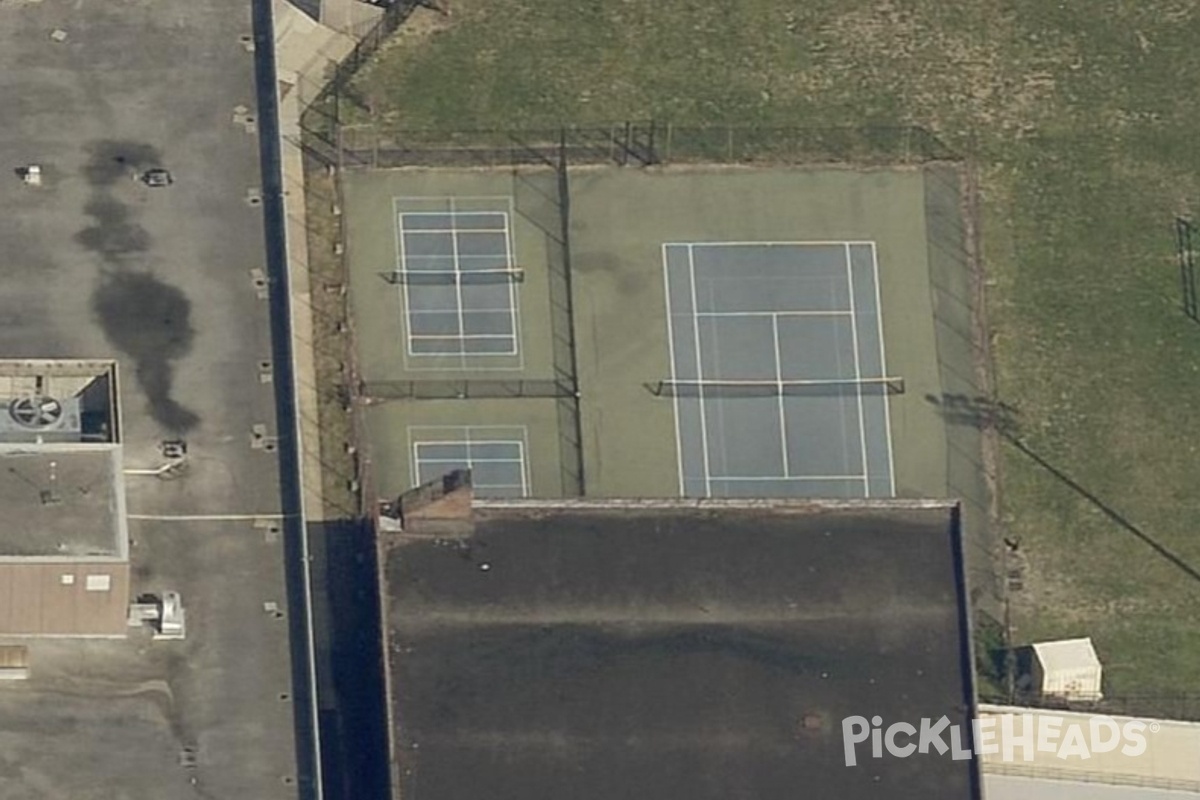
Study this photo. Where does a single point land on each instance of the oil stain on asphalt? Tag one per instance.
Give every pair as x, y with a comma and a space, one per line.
143, 317
114, 236
110, 161
150, 321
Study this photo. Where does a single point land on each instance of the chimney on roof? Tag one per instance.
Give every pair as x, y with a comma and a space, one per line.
441, 506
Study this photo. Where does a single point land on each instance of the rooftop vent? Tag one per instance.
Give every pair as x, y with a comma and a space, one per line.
36, 412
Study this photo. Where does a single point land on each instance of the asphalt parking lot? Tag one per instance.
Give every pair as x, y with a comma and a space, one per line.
95, 263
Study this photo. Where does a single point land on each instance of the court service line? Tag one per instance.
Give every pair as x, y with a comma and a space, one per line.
468, 442
789, 478
457, 213
831, 313
401, 264
465, 337
440, 231
768, 244
458, 368
699, 372
466, 430
671, 350
442, 198
887, 404
513, 295
524, 469
862, 428
522, 444
472, 460
458, 299
783, 438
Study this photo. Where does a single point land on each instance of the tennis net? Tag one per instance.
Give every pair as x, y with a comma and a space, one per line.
470, 277
801, 388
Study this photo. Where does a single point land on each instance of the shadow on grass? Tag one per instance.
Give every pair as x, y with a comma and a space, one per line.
1001, 418
1103, 507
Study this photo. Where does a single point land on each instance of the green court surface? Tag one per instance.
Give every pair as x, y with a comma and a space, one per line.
396, 429
633, 435
383, 310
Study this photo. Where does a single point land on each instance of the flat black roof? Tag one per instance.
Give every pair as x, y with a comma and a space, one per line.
692, 650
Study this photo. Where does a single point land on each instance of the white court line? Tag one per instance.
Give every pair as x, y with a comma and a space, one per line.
862, 428
791, 478
514, 297
415, 460
442, 198
203, 517
783, 439
699, 373
400, 264
467, 429
524, 470
833, 313
442, 272
887, 403
458, 301
475, 367
464, 337
471, 459
736, 383
455, 213
766, 244
454, 442
671, 351
440, 231
462, 356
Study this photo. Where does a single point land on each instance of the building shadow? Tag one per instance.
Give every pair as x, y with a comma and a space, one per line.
348, 638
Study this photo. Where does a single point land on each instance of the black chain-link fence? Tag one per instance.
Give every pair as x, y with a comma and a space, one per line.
636, 144
1166, 705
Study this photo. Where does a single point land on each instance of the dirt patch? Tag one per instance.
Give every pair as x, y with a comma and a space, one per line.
332, 358
424, 23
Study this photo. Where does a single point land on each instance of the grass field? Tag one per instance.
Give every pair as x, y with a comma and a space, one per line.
1083, 118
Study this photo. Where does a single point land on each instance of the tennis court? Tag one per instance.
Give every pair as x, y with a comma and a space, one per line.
768, 379
494, 454
779, 374
458, 286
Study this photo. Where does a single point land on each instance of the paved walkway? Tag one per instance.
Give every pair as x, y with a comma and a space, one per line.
304, 50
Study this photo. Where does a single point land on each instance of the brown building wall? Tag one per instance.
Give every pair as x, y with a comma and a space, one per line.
36, 600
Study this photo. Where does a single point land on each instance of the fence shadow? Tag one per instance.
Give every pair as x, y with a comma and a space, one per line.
1001, 418
1184, 232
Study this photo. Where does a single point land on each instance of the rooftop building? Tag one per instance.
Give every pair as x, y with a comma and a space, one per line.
669, 648
64, 544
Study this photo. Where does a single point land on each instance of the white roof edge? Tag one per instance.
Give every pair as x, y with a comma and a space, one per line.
714, 503
1068, 652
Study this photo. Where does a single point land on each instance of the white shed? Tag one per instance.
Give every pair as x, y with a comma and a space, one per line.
1067, 669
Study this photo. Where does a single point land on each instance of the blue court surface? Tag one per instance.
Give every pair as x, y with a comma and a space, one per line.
778, 370
454, 266
495, 455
